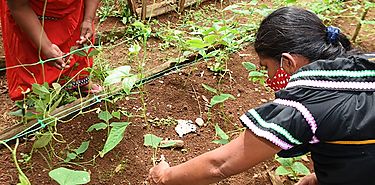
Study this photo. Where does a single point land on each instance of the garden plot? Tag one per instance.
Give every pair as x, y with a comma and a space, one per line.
108, 140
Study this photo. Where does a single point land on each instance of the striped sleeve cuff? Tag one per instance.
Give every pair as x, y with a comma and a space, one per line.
270, 131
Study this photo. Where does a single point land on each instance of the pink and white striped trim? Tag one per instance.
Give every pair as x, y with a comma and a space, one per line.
305, 113
265, 134
333, 85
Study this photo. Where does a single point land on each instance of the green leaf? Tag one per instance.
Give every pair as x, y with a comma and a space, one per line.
281, 170
56, 104
116, 75
152, 140
168, 144
128, 83
115, 136
119, 124
221, 141
57, 87
256, 74
82, 149
220, 132
66, 176
17, 113
93, 52
300, 168
40, 89
209, 88
23, 180
249, 66
370, 22
220, 99
42, 141
105, 116
134, 49
138, 24
287, 162
70, 156
211, 39
40, 106
74, 51
97, 126
196, 43
116, 114
290, 1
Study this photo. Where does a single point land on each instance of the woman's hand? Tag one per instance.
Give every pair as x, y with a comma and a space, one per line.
54, 52
86, 32
156, 173
308, 180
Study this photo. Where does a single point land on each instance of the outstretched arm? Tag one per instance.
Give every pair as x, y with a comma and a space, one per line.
29, 23
87, 30
237, 156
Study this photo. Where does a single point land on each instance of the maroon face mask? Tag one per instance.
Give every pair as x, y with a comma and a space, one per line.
279, 81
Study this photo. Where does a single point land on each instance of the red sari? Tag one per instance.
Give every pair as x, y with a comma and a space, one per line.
62, 26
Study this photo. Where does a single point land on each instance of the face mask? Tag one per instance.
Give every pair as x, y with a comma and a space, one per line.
279, 81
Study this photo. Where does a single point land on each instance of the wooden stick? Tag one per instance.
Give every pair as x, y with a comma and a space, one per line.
144, 8
172, 143
165, 7
181, 5
132, 7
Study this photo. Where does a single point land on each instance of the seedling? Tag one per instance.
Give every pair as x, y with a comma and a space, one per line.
80, 150
291, 167
254, 74
154, 142
116, 133
219, 98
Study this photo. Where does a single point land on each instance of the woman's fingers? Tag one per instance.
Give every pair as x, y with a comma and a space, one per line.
86, 32
157, 172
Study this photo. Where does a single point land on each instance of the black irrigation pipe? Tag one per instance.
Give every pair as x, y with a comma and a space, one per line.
40, 124
173, 66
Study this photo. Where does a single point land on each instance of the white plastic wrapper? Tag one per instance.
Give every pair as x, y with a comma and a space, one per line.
184, 127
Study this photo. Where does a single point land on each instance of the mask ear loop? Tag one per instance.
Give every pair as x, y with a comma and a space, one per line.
281, 63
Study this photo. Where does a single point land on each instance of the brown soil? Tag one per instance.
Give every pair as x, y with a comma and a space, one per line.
178, 96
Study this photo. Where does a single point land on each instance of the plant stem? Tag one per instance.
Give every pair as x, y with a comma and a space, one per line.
359, 25
14, 156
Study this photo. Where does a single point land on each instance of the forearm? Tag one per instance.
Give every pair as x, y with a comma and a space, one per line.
29, 23
240, 154
90, 9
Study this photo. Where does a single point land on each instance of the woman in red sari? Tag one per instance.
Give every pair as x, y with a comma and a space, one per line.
28, 39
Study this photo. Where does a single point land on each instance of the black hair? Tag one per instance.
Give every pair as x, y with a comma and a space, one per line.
297, 31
